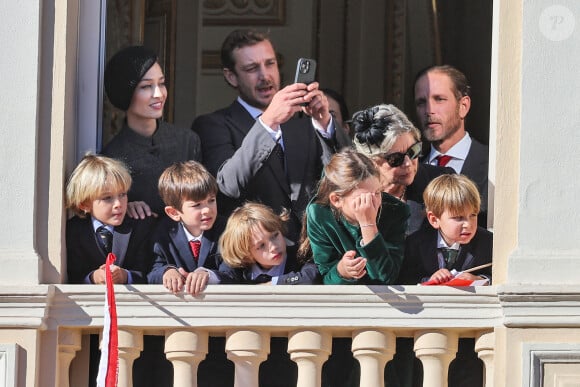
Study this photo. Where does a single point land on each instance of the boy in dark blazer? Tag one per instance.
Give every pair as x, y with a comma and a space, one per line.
185, 245
97, 193
454, 242
255, 250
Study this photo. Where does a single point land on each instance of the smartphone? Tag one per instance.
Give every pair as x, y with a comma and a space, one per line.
305, 71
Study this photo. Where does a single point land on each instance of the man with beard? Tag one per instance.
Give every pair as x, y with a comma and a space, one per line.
442, 101
259, 148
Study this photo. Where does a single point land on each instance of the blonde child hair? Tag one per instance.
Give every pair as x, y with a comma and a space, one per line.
186, 180
236, 242
92, 177
454, 193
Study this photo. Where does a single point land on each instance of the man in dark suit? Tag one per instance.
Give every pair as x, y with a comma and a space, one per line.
259, 148
442, 99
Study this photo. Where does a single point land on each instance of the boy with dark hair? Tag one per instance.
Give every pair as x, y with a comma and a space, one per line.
185, 245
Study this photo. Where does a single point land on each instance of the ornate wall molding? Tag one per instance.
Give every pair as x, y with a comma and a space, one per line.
243, 12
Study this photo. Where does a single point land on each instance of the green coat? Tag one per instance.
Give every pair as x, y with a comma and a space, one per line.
330, 238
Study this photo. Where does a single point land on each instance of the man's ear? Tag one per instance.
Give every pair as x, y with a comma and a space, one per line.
231, 77
173, 213
433, 220
464, 106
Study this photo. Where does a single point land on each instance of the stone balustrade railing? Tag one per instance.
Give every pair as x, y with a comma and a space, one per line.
309, 316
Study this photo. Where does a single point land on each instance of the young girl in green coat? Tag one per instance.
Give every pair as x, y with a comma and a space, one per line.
353, 229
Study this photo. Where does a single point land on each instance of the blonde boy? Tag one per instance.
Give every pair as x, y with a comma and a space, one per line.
97, 193
455, 241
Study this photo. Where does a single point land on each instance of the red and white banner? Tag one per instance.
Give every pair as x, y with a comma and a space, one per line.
109, 363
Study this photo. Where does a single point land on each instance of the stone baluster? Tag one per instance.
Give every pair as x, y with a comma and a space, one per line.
247, 349
373, 349
130, 347
309, 349
436, 350
485, 347
69, 342
185, 350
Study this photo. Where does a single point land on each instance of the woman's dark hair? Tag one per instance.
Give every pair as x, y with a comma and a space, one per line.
335, 95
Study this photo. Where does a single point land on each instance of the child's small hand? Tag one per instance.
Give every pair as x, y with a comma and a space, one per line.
99, 275
196, 281
441, 275
119, 274
469, 277
350, 267
173, 281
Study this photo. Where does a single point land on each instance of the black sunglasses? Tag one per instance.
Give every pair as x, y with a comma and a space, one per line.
398, 158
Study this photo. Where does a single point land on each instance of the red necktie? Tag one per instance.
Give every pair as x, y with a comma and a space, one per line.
442, 160
195, 246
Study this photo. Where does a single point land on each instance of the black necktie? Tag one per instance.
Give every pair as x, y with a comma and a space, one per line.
278, 153
106, 238
262, 278
450, 257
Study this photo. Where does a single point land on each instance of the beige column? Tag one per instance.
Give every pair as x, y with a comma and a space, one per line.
436, 350
373, 349
309, 349
185, 350
247, 349
69, 342
130, 347
485, 348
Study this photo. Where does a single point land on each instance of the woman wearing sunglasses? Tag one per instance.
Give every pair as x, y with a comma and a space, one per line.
386, 136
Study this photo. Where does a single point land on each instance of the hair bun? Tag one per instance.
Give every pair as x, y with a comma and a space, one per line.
367, 129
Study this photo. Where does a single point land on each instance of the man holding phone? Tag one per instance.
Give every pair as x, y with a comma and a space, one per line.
258, 148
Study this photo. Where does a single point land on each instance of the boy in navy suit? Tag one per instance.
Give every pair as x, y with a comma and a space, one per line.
455, 241
97, 193
255, 250
185, 245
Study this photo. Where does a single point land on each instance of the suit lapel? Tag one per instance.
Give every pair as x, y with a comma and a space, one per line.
429, 247
465, 259
475, 162
181, 244
239, 118
121, 237
206, 246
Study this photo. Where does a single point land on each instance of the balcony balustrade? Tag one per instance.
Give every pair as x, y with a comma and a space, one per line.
308, 316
